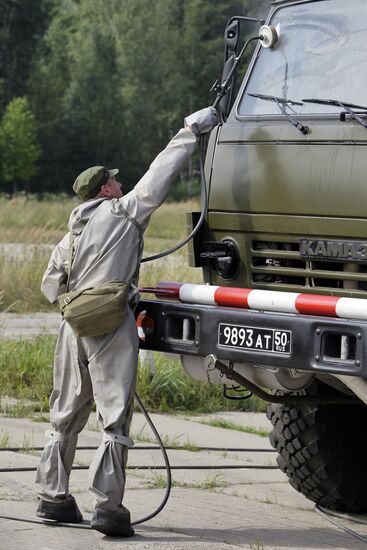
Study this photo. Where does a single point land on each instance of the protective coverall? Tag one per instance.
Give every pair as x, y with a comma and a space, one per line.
108, 247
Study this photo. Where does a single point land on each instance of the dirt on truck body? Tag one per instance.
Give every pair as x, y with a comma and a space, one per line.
286, 175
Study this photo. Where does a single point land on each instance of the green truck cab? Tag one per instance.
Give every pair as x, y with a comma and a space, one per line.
286, 176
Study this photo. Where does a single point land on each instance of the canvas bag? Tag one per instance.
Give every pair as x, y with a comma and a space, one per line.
95, 311
99, 310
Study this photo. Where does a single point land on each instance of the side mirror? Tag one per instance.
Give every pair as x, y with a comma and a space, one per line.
231, 40
267, 36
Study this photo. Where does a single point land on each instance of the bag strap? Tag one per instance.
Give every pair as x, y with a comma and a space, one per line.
140, 252
70, 259
121, 210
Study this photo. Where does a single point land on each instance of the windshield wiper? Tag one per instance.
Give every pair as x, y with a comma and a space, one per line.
282, 104
348, 107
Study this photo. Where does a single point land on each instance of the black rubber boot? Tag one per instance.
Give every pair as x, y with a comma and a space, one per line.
114, 523
66, 511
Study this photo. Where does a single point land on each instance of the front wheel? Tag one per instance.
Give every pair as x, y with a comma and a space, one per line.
323, 450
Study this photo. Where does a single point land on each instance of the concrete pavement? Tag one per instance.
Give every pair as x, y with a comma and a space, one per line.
23, 325
208, 509
218, 509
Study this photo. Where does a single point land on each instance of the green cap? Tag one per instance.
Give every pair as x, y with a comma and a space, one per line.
88, 184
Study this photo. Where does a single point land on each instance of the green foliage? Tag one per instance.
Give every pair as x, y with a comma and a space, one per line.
113, 80
26, 373
109, 82
4, 438
20, 279
229, 425
169, 388
22, 26
26, 211
19, 148
23, 219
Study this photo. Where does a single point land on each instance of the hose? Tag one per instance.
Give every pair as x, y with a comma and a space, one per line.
328, 514
202, 215
167, 464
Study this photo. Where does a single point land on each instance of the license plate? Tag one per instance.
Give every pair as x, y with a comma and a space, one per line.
254, 338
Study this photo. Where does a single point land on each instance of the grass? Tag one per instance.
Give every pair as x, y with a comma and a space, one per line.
28, 221
25, 365
26, 373
20, 283
28, 445
21, 278
229, 425
168, 441
4, 438
170, 388
158, 481
257, 545
18, 410
210, 483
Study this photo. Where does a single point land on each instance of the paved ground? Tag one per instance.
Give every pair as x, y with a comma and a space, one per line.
208, 509
17, 325
218, 509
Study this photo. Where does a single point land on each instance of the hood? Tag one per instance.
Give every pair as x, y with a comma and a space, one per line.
81, 215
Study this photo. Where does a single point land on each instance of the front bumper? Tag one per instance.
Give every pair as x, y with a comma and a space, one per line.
188, 329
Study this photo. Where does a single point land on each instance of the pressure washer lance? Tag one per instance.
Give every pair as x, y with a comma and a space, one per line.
268, 36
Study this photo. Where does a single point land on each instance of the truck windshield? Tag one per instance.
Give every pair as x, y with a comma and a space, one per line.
321, 52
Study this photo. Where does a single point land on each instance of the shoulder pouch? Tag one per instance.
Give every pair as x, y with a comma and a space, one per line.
95, 311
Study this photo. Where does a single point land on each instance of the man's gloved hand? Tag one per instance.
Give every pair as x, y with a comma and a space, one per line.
202, 121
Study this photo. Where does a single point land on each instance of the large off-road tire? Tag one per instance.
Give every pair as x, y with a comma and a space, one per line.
323, 451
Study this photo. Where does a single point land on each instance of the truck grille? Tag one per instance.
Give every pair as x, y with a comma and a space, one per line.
278, 264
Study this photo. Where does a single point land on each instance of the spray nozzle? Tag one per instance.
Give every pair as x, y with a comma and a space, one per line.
268, 36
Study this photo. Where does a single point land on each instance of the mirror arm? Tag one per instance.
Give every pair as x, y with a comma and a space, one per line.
225, 85
243, 18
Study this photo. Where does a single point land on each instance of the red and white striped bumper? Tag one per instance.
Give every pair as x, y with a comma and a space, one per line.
263, 300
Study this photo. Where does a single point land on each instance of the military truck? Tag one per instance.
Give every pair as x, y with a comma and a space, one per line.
284, 246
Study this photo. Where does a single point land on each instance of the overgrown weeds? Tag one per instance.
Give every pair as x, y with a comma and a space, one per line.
20, 283
20, 279
28, 219
229, 425
4, 438
41, 223
170, 388
26, 370
26, 373
210, 483
23, 214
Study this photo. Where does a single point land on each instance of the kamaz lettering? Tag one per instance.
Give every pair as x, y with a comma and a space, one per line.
351, 251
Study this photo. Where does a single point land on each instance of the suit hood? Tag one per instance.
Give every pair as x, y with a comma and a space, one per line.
81, 215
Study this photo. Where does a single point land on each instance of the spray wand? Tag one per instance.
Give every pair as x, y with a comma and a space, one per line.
268, 36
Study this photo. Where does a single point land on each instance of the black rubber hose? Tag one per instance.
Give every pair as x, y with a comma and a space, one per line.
329, 515
202, 215
166, 461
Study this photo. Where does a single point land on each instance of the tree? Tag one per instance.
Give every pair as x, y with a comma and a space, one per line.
111, 81
22, 24
19, 147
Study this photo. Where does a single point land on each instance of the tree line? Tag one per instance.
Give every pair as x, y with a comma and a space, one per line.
85, 82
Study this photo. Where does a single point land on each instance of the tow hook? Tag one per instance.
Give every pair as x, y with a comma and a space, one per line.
212, 362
